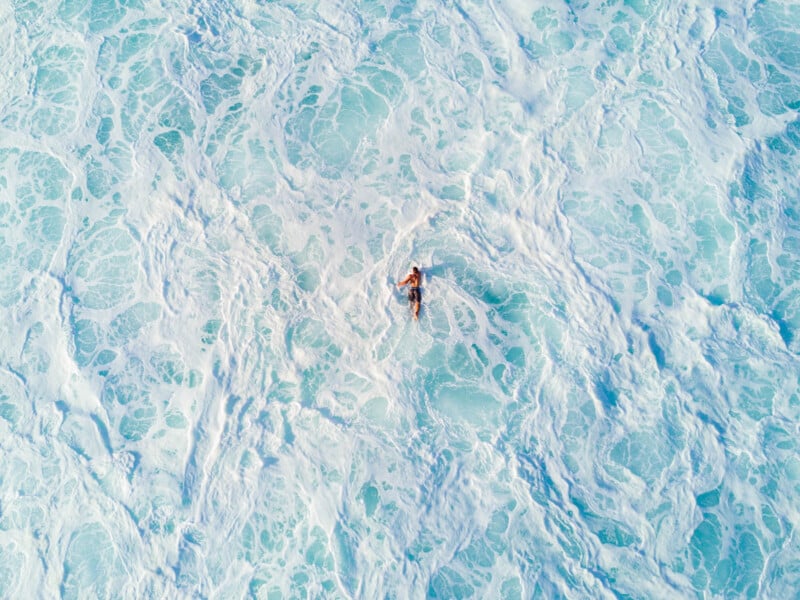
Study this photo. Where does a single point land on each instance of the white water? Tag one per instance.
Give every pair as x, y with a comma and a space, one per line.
210, 387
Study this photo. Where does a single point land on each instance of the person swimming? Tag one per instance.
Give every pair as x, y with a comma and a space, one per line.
414, 295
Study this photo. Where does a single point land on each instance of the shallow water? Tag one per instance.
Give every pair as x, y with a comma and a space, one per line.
210, 387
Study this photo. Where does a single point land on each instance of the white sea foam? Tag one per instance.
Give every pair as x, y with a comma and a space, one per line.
211, 387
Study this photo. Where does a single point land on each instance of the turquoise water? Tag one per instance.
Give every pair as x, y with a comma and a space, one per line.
210, 386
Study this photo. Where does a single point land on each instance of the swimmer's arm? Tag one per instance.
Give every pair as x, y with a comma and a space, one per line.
404, 282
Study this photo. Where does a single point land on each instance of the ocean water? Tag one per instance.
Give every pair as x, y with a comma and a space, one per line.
210, 386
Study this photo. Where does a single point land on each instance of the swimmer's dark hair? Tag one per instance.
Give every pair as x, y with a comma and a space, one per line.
415, 269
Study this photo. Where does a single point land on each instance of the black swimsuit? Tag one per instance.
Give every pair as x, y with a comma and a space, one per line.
414, 295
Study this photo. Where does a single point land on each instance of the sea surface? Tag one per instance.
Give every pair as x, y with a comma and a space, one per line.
211, 387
